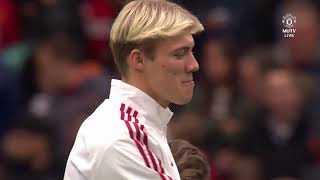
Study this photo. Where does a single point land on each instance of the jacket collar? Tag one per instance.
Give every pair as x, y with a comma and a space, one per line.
149, 111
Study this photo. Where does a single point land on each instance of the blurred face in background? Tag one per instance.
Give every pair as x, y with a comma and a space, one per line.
216, 65
51, 71
282, 95
303, 46
249, 75
26, 151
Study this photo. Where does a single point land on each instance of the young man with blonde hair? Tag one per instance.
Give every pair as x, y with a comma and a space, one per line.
125, 138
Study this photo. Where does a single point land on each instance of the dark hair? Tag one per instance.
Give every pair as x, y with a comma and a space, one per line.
191, 162
63, 46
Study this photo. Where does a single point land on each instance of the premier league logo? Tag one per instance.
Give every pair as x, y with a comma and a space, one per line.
289, 21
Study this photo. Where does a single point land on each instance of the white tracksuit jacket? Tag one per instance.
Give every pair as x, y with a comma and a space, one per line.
125, 138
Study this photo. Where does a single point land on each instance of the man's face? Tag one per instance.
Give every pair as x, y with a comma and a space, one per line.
169, 74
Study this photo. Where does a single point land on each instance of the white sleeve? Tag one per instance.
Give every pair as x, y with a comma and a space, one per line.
124, 161
79, 162
72, 173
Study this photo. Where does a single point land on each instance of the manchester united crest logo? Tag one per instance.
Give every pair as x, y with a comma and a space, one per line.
289, 20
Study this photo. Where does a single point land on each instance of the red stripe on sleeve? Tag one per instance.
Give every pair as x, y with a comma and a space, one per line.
122, 107
162, 170
128, 113
139, 143
138, 131
135, 114
149, 152
139, 146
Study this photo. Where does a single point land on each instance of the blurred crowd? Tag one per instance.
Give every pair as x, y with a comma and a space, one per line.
256, 106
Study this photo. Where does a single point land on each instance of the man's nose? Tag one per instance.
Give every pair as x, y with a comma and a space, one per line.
192, 65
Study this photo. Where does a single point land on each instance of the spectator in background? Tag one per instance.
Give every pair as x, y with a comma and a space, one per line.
250, 69
28, 151
66, 87
279, 136
191, 162
218, 77
218, 91
302, 51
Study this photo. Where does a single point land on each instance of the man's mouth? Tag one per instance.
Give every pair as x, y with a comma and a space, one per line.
188, 81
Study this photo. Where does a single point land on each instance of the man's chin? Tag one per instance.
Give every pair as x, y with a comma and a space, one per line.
183, 101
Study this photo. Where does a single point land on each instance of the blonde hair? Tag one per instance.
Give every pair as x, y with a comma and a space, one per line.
142, 22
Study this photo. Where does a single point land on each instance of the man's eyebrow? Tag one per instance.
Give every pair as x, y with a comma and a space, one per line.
183, 48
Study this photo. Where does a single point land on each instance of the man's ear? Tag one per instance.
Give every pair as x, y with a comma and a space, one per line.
136, 60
